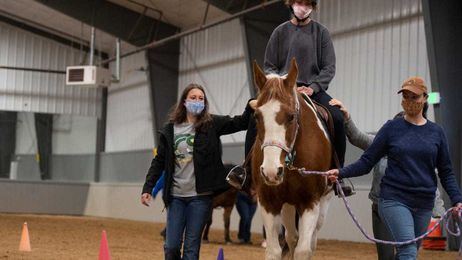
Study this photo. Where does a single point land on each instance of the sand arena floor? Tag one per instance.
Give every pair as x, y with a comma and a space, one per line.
69, 237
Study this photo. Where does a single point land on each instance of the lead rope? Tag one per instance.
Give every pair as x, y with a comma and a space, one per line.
446, 215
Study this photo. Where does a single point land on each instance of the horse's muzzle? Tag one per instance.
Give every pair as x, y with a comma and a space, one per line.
272, 178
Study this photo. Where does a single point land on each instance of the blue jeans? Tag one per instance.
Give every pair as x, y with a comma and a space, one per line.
186, 216
246, 209
404, 223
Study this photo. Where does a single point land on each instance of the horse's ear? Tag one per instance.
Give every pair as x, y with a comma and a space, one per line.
259, 76
292, 75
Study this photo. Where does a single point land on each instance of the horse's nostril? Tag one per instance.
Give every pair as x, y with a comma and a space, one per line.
280, 171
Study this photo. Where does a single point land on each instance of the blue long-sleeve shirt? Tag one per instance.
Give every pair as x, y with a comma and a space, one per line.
414, 152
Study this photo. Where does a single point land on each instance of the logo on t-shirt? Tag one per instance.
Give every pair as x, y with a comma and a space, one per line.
184, 148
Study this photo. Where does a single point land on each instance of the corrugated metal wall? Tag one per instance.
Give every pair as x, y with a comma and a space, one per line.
71, 134
129, 121
215, 59
378, 45
41, 92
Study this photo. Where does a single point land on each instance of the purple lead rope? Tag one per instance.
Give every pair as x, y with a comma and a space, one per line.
445, 216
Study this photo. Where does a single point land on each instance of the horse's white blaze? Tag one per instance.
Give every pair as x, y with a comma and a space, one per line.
274, 132
320, 125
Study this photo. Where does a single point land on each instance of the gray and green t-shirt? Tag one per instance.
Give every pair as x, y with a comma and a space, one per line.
184, 180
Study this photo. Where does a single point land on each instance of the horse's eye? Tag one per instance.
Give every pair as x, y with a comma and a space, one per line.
291, 118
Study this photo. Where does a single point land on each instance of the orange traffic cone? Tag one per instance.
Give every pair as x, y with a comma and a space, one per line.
104, 248
435, 240
24, 244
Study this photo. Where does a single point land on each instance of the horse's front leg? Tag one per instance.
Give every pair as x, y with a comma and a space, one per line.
272, 227
288, 220
306, 226
323, 208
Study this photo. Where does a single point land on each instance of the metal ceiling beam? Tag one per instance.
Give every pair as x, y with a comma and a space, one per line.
48, 32
235, 6
177, 36
123, 23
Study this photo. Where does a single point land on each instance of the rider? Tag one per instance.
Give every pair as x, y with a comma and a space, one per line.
309, 43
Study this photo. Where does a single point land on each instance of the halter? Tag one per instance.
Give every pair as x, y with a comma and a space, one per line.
288, 149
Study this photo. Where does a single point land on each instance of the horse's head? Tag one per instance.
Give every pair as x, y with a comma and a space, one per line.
277, 121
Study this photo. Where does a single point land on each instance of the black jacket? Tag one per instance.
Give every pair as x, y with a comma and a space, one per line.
208, 166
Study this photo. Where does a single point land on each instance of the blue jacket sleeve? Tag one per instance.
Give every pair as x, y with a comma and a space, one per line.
156, 168
371, 156
159, 185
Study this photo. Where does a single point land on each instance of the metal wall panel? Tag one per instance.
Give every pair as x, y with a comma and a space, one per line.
214, 58
129, 121
74, 135
378, 45
41, 92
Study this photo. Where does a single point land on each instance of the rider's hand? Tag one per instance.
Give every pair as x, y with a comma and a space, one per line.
339, 104
305, 90
456, 209
253, 104
145, 199
332, 174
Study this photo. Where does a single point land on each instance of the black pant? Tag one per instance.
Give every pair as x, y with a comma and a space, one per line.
339, 129
384, 251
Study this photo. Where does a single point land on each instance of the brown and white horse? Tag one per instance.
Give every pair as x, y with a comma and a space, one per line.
288, 127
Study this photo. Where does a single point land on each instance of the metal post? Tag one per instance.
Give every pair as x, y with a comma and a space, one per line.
117, 76
191, 31
92, 45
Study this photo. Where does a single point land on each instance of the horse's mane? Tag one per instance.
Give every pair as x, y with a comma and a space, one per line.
274, 89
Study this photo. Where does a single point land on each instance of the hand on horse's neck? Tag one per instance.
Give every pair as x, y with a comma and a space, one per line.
190, 118
416, 120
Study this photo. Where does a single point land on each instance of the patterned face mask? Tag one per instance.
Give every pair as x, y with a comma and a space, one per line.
301, 11
412, 108
194, 107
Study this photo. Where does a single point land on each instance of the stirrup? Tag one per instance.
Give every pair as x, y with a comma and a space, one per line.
236, 177
347, 190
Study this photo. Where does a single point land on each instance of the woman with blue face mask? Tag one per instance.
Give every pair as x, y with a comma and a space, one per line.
189, 150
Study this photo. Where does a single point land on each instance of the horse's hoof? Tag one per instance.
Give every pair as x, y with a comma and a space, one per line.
228, 242
206, 241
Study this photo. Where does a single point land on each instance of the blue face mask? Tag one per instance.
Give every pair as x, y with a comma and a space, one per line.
194, 107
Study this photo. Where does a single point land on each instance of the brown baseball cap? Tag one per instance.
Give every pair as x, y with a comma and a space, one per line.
415, 85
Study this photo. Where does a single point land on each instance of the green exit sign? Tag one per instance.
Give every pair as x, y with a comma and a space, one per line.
433, 98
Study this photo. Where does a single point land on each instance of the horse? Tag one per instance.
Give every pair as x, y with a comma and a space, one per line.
226, 200
290, 137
